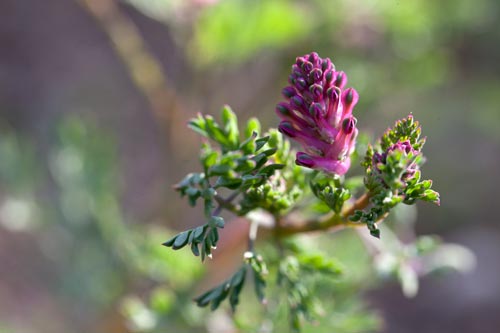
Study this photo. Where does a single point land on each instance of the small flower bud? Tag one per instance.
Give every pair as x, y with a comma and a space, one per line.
304, 160
286, 128
341, 80
316, 75
288, 92
283, 109
300, 84
332, 93
325, 65
307, 66
299, 61
316, 90
316, 110
348, 125
329, 76
297, 101
314, 58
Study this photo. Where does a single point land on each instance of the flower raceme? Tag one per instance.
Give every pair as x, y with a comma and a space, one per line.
318, 114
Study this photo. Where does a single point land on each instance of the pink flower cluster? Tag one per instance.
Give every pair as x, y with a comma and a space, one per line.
318, 114
405, 148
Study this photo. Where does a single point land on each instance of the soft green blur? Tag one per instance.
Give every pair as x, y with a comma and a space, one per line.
81, 231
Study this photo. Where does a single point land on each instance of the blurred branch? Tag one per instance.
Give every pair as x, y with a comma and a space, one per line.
333, 221
143, 68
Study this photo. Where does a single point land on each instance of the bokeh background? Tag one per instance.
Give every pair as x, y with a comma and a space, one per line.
94, 98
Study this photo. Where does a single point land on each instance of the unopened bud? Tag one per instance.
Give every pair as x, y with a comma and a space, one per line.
304, 160
288, 92
348, 125
286, 128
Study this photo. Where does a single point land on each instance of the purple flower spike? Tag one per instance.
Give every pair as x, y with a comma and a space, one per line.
318, 114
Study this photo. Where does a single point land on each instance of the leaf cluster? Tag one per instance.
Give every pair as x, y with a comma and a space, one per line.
201, 239
241, 173
243, 166
331, 192
278, 193
232, 287
296, 274
236, 164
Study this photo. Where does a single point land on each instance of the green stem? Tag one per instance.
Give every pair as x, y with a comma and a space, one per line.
227, 203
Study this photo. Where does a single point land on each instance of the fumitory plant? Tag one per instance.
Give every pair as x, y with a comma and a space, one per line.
288, 191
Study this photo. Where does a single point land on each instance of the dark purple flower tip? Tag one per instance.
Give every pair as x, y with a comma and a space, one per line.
316, 110
288, 92
300, 84
283, 109
299, 61
316, 90
333, 93
297, 101
378, 158
328, 76
404, 146
348, 125
314, 58
307, 66
316, 75
304, 159
350, 96
340, 80
326, 65
287, 128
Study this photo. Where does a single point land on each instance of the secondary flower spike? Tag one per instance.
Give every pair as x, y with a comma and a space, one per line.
318, 114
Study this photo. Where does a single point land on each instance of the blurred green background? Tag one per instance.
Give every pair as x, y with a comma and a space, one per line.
94, 98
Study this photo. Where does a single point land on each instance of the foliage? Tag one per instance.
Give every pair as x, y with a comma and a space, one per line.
395, 58
233, 31
85, 229
259, 180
